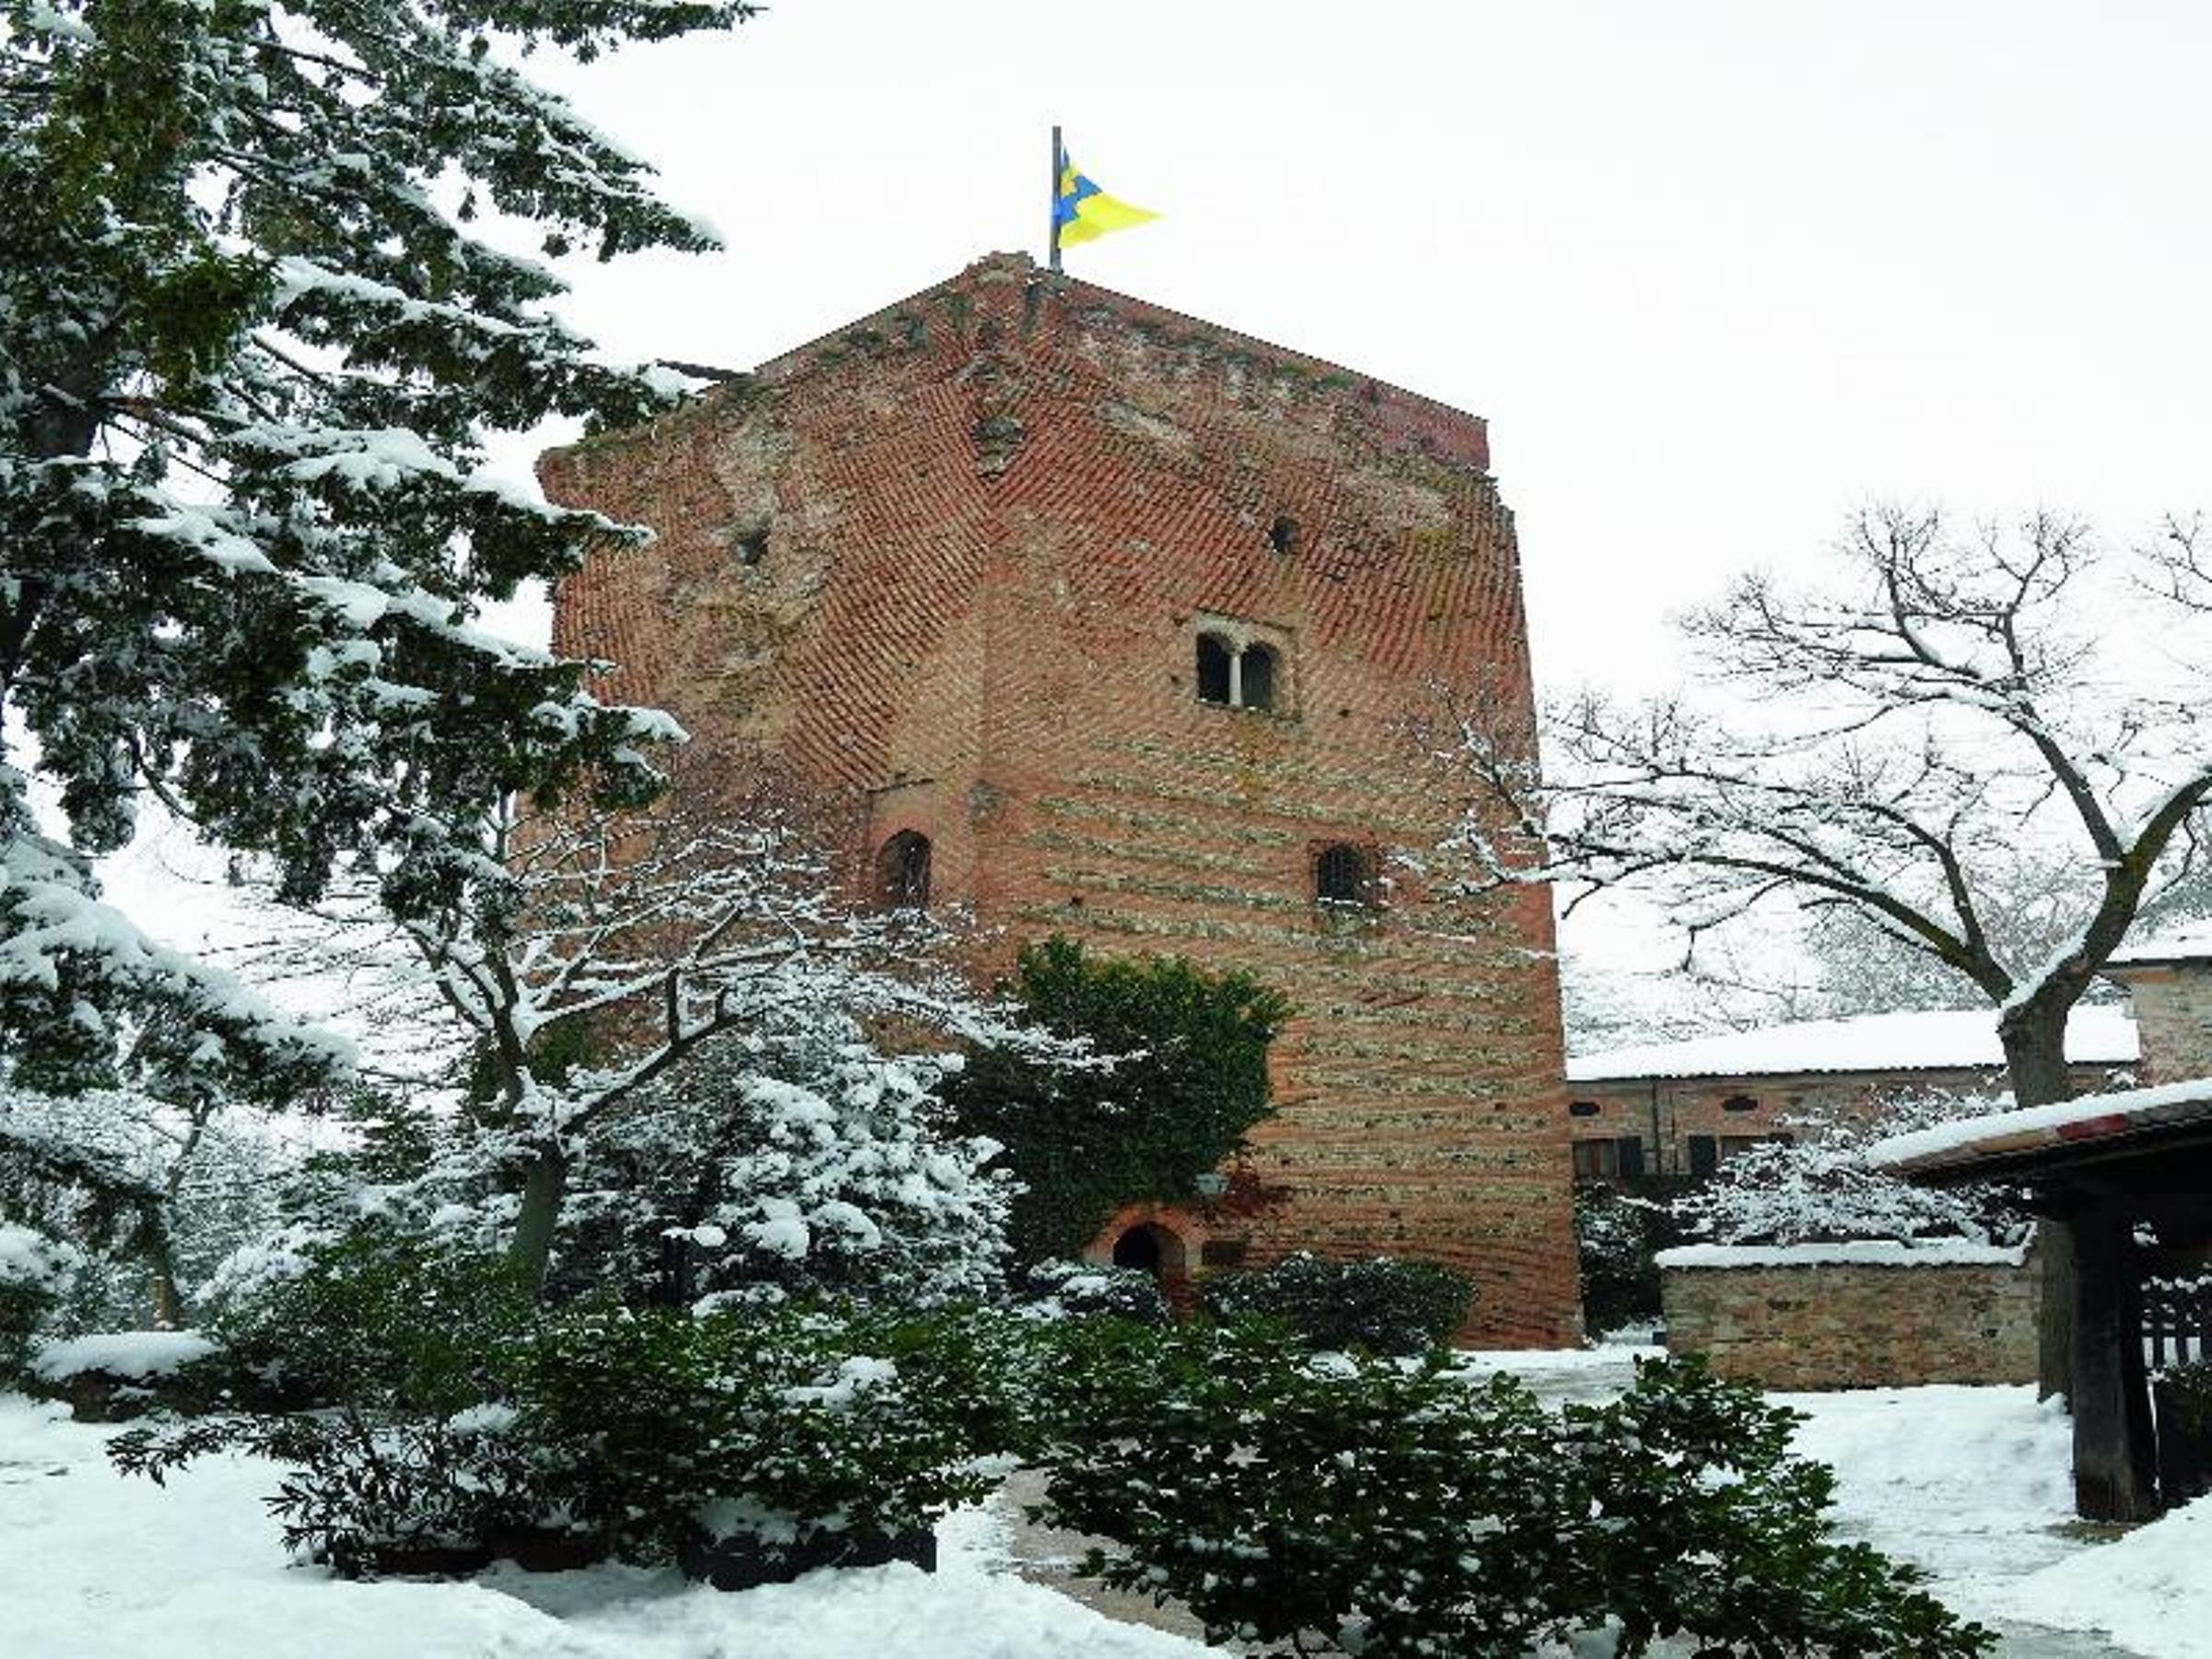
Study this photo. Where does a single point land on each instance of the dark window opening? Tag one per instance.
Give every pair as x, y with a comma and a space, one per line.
1282, 535
1704, 1155
1344, 875
1138, 1248
902, 871
1581, 1109
1257, 691
751, 546
1213, 669
1620, 1159
1739, 1103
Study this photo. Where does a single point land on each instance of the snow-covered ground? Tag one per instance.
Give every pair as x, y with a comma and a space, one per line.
93, 1565
1970, 1483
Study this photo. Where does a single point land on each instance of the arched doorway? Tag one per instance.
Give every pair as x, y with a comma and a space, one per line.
1141, 1248
902, 871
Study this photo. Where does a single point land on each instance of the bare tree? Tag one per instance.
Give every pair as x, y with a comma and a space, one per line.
594, 952
1887, 747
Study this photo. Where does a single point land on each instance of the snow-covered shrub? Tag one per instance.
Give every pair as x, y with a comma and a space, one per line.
369, 1320
780, 1424
34, 1271
369, 1494
1618, 1234
1362, 1505
153, 1191
802, 1169
1822, 1189
1383, 1305
1064, 1289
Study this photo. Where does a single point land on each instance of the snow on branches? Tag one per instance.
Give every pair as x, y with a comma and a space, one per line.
1820, 1188
1889, 744
249, 354
590, 954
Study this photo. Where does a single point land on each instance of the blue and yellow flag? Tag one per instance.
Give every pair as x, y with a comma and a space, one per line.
1082, 212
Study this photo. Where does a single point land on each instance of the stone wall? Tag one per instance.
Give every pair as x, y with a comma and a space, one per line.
948, 568
1852, 1316
2172, 1003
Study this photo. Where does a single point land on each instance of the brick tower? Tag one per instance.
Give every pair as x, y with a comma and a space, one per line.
1098, 620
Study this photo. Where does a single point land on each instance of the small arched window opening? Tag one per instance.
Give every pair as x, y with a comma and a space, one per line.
751, 546
1257, 677
1739, 1103
1581, 1109
1215, 664
1139, 1248
902, 871
1282, 535
1344, 875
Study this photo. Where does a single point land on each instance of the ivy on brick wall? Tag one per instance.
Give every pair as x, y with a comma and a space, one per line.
1086, 1142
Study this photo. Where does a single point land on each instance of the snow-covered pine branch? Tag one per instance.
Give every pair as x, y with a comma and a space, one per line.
250, 349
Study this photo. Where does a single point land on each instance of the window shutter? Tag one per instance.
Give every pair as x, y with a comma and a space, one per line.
1631, 1155
1704, 1155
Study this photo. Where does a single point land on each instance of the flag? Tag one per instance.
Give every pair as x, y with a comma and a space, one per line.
1082, 212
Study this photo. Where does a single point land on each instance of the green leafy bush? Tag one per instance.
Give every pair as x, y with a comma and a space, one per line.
1360, 1505
371, 1319
369, 1493
1618, 1234
1383, 1305
1066, 1289
638, 1432
780, 1424
1192, 1080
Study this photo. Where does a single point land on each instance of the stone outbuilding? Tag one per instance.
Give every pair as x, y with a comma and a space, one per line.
1074, 615
1681, 1108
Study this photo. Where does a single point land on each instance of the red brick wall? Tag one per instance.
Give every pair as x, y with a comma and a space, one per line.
994, 515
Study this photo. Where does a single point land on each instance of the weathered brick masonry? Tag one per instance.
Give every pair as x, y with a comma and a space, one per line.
949, 566
1840, 1325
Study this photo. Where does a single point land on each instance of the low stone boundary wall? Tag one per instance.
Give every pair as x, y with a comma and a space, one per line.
1859, 1315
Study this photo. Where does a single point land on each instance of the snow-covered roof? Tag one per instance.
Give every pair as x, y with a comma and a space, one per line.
2132, 1112
2189, 942
1851, 1253
1941, 1040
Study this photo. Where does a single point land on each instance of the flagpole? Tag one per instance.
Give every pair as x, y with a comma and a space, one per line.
1054, 199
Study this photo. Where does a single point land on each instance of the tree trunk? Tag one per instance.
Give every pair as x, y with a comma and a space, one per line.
2035, 1057
545, 1186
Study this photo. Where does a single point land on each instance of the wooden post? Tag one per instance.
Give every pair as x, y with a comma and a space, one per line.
2115, 1456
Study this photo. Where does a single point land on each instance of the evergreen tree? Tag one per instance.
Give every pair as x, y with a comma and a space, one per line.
248, 353
1187, 1080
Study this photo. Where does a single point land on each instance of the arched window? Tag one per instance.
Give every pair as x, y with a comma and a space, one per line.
1582, 1109
1257, 666
1214, 660
1739, 1103
902, 871
1344, 874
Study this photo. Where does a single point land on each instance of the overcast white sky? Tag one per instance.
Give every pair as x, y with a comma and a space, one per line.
1714, 272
